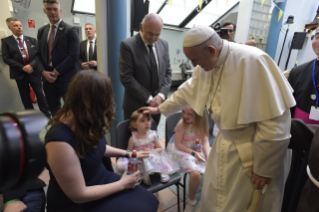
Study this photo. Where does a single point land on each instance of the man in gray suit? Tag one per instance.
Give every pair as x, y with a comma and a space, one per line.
144, 66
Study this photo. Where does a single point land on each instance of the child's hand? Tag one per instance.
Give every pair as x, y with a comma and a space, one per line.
199, 157
142, 154
130, 181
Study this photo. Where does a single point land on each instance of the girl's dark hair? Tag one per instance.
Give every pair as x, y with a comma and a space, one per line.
134, 117
90, 102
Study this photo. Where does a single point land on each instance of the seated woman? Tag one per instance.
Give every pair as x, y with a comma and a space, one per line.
75, 146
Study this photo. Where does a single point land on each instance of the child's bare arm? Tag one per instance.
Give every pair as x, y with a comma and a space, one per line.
158, 146
179, 138
130, 145
206, 147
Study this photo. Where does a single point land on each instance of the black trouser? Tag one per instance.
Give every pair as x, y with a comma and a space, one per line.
156, 117
54, 92
24, 90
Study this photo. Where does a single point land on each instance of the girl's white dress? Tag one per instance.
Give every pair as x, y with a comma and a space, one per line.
156, 162
186, 161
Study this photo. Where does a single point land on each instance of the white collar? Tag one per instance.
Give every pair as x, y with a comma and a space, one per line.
21, 37
56, 24
88, 40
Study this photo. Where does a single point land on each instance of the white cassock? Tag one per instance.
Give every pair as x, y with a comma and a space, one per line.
250, 100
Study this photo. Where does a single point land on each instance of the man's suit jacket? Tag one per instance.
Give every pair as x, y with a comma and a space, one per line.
84, 53
11, 55
135, 71
65, 51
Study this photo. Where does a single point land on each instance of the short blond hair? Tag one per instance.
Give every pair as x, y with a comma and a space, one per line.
89, 24
8, 20
51, 2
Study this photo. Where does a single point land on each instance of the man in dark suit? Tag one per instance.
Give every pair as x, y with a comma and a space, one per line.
57, 54
18, 51
144, 67
88, 49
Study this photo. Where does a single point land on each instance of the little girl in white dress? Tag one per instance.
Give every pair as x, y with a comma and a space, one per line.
144, 139
190, 128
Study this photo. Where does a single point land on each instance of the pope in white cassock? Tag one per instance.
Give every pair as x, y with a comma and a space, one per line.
248, 98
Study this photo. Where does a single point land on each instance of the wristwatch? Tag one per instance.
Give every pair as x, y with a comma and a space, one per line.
128, 154
193, 153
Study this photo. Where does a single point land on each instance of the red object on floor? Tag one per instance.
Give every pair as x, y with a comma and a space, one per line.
32, 95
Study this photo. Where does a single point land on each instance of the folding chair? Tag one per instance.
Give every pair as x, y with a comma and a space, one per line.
122, 136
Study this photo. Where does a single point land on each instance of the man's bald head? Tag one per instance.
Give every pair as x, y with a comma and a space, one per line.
151, 28
202, 46
251, 43
152, 17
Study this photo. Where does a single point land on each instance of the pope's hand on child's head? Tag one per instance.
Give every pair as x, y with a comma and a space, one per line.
150, 110
142, 154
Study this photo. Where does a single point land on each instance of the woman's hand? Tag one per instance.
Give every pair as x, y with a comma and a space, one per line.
199, 157
130, 181
142, 154
16, 206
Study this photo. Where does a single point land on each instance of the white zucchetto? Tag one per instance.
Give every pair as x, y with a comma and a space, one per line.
197, 35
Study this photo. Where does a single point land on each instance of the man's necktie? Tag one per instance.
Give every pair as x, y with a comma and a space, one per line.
91, 51
154, 74
50, 43
26, 59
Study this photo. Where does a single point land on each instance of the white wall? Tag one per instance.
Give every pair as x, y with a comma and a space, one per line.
9, 94
243, 20
175, 45
303, 11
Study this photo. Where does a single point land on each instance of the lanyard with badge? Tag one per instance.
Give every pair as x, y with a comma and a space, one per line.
21, 48
314, 111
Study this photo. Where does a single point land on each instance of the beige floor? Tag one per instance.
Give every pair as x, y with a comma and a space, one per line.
167, 199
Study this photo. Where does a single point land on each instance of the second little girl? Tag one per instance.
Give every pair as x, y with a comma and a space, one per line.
181, 148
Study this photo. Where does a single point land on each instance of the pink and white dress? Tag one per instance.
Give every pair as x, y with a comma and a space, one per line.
186, 161
156, 162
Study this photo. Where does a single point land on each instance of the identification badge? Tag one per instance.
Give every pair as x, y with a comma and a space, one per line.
314, 113
23, 55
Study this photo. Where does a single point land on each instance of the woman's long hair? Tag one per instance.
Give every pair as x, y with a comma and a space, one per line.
90, 103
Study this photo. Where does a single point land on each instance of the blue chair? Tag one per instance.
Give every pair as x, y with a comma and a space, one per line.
123, 134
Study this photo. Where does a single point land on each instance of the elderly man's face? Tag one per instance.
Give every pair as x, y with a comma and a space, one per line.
315, 43
151, 30
16, 28
205, 58
231, 33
